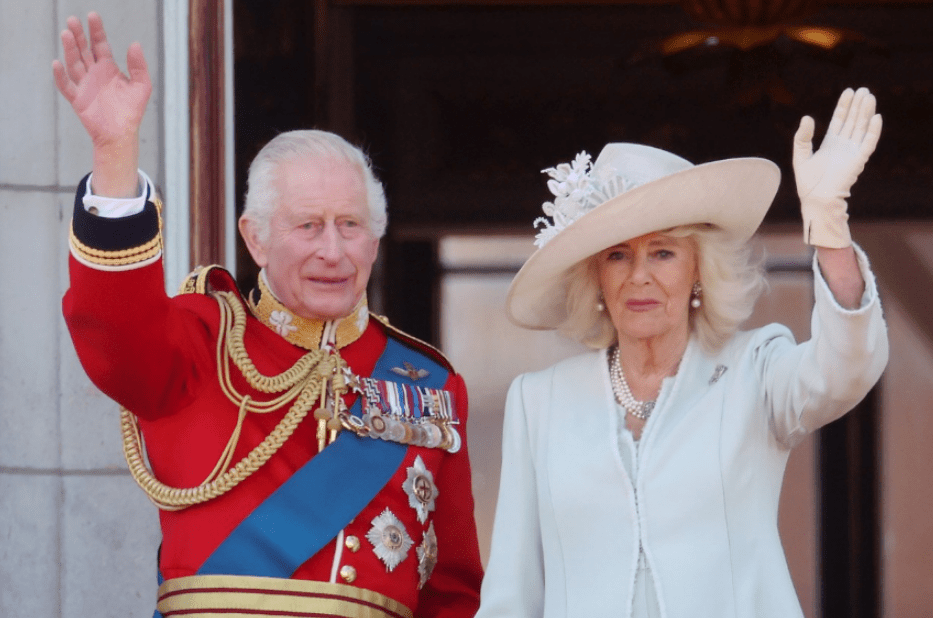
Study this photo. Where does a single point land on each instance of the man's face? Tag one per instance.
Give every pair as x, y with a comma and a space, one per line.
320, 249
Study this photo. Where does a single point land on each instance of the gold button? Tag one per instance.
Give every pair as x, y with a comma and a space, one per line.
348, 573
353, 543
93, 210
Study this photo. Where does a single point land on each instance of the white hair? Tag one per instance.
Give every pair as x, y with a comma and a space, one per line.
730, 278
262, 195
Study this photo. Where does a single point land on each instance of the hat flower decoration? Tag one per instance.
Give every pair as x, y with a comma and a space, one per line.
577, 190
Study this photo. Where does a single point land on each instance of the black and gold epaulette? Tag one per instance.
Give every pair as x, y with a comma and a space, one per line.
413, 342
208, 279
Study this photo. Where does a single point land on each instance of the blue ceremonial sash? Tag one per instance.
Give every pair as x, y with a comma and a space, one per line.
320, 499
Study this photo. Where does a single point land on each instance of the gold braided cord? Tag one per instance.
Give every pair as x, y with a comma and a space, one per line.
288, 379
226, 456
305, 382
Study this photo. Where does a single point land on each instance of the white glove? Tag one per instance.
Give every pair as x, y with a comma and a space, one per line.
825, 177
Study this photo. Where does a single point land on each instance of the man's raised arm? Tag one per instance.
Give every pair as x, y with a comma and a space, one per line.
109, 104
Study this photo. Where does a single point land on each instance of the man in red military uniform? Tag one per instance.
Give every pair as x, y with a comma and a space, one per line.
308, 459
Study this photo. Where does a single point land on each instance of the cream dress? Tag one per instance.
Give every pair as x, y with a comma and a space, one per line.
645, 601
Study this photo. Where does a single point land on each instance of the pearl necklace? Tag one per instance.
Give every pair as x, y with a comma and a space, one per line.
622, 392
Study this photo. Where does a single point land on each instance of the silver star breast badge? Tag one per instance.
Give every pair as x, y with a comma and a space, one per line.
420, 488
389, 538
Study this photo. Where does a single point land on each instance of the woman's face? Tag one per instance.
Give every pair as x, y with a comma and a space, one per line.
646, 283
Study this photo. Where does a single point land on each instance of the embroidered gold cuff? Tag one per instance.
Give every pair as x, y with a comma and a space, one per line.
123, 259
203, 596
115, 260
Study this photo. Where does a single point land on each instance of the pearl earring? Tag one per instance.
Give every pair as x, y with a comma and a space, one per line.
600, 305
695, 295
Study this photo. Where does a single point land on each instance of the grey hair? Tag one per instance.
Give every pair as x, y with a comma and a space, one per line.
731, 279
262, 195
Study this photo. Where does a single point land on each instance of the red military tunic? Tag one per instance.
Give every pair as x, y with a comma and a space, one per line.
158, 357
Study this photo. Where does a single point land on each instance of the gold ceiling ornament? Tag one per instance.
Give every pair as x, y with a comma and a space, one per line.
747, 24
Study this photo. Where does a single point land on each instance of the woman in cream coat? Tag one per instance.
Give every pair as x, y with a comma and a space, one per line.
642, 479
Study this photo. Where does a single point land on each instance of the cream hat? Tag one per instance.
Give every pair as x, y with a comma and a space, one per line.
631, 190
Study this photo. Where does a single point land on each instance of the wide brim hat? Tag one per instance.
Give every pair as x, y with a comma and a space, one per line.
631, 190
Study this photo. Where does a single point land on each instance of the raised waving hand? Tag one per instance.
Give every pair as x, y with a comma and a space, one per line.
109, 103
825, 177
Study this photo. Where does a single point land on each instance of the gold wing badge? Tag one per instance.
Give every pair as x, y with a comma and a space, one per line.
411, 372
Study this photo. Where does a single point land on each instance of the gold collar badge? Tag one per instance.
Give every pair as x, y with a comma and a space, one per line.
304, 332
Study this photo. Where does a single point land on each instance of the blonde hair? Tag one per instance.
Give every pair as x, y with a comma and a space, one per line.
730, 278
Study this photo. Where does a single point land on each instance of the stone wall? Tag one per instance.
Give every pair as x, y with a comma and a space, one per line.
77, 537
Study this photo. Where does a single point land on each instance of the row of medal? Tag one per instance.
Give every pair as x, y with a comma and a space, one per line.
406, 414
